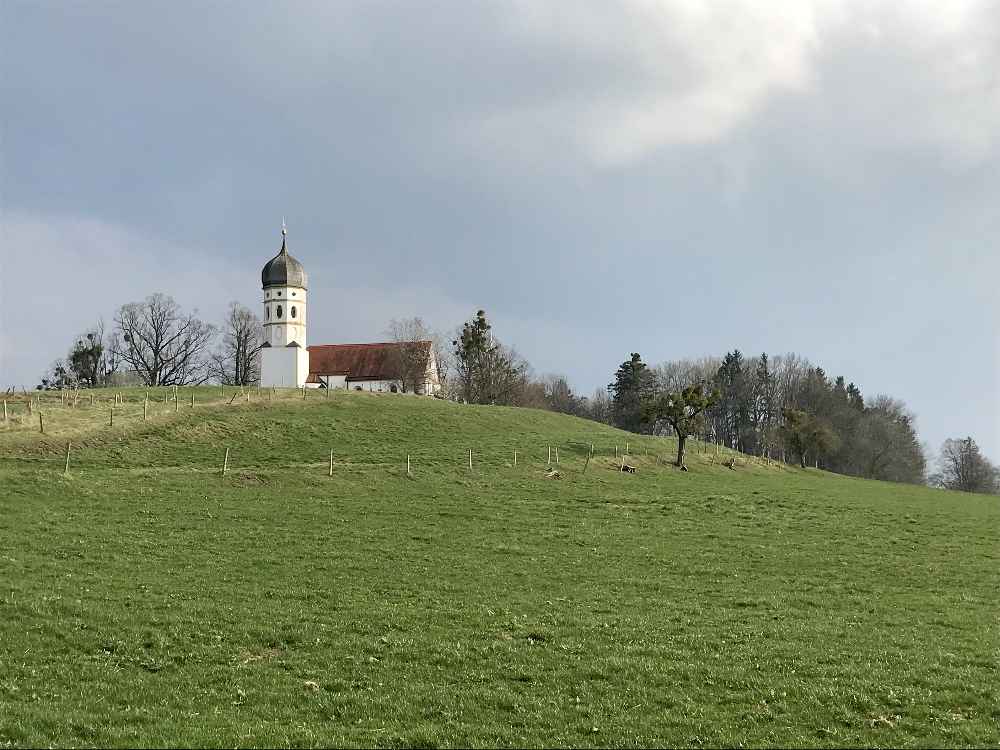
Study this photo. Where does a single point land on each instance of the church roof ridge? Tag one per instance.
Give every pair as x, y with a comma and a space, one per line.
373, 343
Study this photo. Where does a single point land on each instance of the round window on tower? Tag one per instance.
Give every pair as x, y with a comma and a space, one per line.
277, 313
293, 311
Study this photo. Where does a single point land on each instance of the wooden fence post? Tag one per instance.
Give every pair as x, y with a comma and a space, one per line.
550, 455
41, 425
68, 446
192, 399
407, 464
331, 462
145, 403
515, 459
587, 463
225, 463
470, 459
557, 454
111, 418
5, 410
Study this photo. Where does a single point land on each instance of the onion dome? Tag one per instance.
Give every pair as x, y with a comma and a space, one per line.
283, 269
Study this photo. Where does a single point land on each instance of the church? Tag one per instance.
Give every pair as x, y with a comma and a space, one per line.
287, 361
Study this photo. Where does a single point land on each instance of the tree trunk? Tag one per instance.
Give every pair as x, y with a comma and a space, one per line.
681, 440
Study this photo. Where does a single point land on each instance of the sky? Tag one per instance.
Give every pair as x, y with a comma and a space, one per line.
675, 178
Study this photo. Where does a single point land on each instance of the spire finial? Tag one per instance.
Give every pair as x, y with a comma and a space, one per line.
284, 233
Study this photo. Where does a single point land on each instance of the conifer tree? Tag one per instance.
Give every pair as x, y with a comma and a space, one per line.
633, 385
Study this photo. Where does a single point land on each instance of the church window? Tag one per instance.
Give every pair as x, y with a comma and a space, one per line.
267, 313
293, 294
279, 294
277, 312
293, 311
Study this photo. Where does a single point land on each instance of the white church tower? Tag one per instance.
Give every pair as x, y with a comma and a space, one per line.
284, 360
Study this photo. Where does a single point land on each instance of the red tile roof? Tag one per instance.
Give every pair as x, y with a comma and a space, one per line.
356, 361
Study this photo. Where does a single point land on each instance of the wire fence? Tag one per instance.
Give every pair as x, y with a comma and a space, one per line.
75, 411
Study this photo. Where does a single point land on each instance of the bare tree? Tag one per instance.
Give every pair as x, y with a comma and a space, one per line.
598, 407
412, 355
963, 467
237, 360
884, 443
162, 344
111, 362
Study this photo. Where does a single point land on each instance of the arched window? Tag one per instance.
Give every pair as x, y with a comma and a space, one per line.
293, 311
267, 313
277, 313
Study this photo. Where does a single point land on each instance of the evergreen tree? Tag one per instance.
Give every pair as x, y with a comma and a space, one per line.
633, 384
488, 372
734, 406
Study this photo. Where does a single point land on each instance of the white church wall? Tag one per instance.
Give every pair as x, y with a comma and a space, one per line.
335, 381
374, 386
283, 367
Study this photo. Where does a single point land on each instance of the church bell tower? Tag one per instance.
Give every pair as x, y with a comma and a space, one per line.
284, 359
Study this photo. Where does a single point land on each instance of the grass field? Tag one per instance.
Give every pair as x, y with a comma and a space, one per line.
147, 600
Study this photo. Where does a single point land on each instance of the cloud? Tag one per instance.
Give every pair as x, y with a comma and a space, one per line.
655, 74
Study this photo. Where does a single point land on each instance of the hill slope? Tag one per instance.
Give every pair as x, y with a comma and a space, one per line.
147, 600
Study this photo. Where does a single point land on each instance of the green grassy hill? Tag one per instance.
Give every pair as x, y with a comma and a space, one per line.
147, 600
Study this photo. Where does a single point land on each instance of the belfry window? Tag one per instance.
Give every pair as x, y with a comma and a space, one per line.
293, 311
277, 312
267, 313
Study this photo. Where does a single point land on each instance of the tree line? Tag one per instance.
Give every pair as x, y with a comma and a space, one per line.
770, 406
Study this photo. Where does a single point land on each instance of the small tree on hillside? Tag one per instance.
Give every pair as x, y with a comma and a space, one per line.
683, 410
804, 434
487, 371
237, 360
963, 467
411, 357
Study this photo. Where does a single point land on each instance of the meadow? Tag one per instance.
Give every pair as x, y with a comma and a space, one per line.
146, 599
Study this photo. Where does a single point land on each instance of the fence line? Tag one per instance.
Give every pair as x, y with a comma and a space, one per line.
68, 402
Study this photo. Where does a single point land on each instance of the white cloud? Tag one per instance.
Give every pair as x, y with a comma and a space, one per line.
689, 72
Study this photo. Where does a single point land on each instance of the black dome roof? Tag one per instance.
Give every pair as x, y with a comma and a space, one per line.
283, 270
